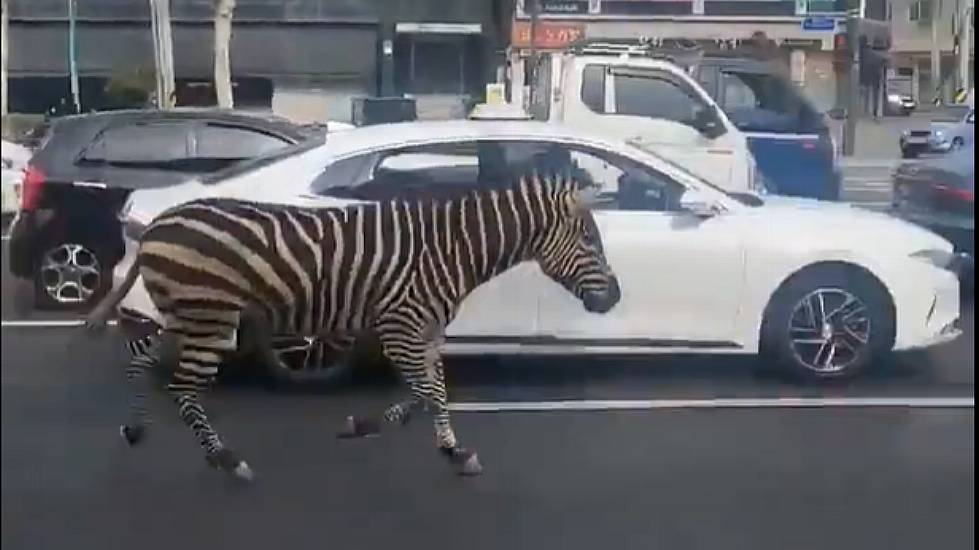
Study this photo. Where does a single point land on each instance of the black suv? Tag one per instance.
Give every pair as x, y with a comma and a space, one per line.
67, 237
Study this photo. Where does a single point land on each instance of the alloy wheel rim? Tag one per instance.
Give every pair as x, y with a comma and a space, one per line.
70, 273
828, 330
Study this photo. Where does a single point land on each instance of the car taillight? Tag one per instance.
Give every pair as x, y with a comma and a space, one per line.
961, 194
33, 186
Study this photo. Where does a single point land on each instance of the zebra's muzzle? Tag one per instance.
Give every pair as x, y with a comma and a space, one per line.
603, 302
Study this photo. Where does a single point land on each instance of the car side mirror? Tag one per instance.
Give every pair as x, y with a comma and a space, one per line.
696, 204
708, 123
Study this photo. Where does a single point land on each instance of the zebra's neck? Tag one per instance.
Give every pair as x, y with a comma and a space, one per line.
498, 229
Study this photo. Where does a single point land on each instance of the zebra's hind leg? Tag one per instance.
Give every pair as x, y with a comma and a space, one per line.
196, 369
142, 357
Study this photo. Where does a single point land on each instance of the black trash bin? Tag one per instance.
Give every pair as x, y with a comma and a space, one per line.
380, 110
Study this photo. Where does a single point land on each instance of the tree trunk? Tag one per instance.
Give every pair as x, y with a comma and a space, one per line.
965, 43
3, 57
163, 53
936, 58
223, 13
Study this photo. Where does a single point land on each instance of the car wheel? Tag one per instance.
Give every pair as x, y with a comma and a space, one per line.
306, 360
71, 275
828, 323
958, 143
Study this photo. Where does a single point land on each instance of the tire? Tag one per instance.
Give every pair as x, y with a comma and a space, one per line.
803, 350
958, 143
71, 276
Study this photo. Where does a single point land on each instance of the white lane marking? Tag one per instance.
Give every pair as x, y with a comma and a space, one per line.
49, 323
737, 403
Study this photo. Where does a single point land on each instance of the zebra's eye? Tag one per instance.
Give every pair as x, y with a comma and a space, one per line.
590, 238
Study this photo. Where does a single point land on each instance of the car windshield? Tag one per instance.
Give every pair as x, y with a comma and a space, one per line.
745, 197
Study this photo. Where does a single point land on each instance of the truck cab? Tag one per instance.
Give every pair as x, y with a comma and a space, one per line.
649, 101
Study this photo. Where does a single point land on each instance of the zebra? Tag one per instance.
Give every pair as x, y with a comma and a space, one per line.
399, 268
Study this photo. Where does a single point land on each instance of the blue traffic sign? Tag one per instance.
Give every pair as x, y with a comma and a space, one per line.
819, 24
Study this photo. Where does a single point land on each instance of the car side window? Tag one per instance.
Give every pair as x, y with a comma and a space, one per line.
409, 172
140, 144
653, 94
623, 184
225, 142
593, 87
764, 102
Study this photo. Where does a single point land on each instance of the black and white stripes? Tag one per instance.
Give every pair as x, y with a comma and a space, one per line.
399, 268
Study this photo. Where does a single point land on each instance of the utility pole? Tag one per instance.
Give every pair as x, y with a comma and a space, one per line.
936, 58
73, 57
853, 89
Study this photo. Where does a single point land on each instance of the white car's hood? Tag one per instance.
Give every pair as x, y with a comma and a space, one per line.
846, 225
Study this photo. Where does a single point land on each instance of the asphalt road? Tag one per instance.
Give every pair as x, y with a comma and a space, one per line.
679, 477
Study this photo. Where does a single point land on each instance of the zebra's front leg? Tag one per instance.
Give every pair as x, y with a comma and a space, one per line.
398, 413
420, 363
464, 461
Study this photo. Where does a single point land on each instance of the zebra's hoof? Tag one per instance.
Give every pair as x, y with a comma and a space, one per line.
226, 460
132, 434
466, 463
243, 472
353, 427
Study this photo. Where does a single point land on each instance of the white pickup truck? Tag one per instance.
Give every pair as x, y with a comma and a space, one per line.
648, 101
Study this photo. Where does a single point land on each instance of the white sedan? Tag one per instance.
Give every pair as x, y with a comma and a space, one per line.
823, 288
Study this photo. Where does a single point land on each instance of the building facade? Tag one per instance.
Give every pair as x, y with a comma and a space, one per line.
805, 32
301, 58
911, 30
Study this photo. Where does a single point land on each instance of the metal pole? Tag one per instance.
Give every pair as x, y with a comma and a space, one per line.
532, 59
72, 57
853, 86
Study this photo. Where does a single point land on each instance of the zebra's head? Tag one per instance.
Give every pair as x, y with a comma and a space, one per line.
572, 253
